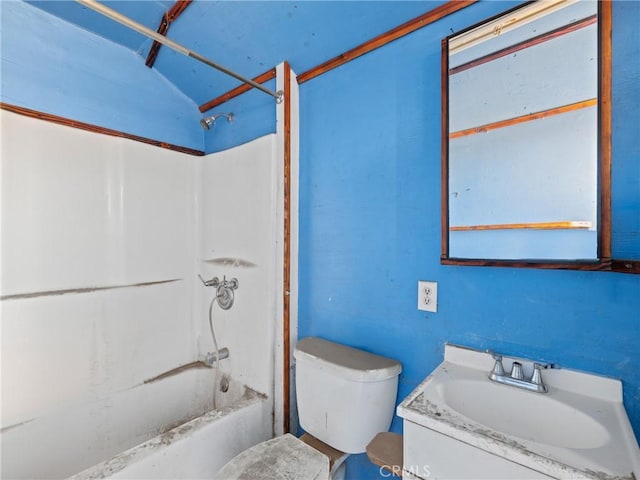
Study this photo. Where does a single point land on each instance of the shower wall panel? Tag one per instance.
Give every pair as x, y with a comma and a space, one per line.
238, 202
98, 241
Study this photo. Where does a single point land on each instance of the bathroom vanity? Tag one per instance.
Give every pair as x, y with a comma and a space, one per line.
460, 424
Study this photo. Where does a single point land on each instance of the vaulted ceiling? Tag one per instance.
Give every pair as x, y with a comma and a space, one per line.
248, 37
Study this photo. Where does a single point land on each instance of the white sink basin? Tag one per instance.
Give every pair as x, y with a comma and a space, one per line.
578, 429
527, 415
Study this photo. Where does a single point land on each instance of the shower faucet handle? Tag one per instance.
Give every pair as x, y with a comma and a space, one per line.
232, 284
214, 282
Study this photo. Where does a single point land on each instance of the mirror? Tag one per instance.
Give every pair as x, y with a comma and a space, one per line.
526, 138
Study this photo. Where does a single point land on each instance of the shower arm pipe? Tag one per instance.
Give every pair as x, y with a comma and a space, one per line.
127, 22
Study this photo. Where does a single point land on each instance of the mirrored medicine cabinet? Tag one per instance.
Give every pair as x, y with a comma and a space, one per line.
526, 138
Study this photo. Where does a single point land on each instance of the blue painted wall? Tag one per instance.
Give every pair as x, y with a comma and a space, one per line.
254, 116
370, 227
55, 67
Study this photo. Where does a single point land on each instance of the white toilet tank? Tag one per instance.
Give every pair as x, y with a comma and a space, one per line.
345, 396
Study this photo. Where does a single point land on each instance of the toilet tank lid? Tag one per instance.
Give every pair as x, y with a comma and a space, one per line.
347, 362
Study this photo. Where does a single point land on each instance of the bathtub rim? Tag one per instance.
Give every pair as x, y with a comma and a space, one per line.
122, 460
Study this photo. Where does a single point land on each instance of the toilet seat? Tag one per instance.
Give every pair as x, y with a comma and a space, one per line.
282, 457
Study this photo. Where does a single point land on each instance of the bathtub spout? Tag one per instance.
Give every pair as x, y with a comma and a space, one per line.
210, 358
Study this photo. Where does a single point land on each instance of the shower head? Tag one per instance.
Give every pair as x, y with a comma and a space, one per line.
207, 122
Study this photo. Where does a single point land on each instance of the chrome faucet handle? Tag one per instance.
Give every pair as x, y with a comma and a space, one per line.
498, 369
232, 284
214, 282
516, 371
536, 376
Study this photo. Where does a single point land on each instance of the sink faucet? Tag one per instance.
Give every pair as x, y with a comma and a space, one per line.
516, 377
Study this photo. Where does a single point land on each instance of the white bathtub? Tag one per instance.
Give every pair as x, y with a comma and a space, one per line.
197, 448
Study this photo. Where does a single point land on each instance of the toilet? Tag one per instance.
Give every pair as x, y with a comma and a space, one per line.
345, 397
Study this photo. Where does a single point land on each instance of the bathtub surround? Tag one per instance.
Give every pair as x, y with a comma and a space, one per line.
102, 240
370, 209
108, 224
237, 221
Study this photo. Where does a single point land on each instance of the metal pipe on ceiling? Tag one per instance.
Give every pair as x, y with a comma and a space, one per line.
127, 22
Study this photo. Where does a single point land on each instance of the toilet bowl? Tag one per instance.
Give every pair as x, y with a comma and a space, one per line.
345, 396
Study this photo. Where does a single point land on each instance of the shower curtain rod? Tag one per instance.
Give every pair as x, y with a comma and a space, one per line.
127, 22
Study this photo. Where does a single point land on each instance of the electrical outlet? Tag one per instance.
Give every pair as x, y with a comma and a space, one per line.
427, 296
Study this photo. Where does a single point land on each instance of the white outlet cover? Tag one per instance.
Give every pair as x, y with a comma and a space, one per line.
427, 296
